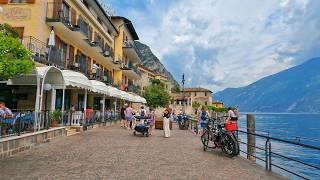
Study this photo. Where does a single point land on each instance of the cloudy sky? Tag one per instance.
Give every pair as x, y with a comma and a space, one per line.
226, 43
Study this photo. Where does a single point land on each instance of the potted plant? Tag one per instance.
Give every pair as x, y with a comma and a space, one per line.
55, 118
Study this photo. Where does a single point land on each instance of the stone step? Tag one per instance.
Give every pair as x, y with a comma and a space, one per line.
72, 131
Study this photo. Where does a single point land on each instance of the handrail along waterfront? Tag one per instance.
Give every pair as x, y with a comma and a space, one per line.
269, 153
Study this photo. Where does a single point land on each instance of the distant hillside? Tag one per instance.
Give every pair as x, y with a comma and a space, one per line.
293, 90
151, 61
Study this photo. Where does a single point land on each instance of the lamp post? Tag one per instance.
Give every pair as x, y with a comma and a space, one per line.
183, 95
46, 87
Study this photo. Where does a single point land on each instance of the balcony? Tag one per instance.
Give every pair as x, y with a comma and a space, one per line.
77, 31
107, 80
133, 88
58, 17
131, 51
41, 54
131, 71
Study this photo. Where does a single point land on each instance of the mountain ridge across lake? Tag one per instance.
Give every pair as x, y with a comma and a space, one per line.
294, 90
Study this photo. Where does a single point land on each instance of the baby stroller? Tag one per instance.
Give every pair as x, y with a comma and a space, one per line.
142, 128
183, 121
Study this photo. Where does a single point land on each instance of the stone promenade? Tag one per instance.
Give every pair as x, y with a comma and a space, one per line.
114, 153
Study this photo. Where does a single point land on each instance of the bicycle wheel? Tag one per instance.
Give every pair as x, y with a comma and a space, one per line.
206, 139
237, 146
229, 145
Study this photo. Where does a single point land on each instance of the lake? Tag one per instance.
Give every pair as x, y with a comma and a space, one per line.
303, 128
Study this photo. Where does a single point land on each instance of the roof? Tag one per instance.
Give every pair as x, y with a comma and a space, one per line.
217, 102
103, 11
147, 69
199, 89
163, 76
129, 25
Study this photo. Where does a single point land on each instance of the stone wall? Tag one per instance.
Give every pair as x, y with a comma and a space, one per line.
15, 144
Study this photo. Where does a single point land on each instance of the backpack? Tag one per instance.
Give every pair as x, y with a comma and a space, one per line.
142, 113
204, 116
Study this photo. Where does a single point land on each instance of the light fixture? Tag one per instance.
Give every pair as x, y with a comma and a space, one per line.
47, 87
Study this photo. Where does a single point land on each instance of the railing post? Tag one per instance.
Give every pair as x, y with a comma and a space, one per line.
251, 139
270, 161
267, 154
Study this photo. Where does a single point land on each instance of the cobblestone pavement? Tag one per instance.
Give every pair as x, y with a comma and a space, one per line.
114, 153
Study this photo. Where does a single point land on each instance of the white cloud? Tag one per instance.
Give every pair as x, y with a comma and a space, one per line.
228, 43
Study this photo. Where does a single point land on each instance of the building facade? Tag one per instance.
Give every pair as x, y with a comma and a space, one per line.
190, 95
86, 41
147, 75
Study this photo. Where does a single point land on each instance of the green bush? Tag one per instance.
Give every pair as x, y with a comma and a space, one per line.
217, 109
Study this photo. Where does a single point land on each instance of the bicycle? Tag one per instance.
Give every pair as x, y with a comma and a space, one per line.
215, 136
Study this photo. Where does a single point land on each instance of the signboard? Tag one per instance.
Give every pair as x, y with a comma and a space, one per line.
16, 14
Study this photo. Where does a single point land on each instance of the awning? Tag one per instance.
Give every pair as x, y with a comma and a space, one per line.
76, 79
100, 87
50, 75
114, 92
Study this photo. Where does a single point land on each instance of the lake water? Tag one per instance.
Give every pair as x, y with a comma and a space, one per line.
303, 128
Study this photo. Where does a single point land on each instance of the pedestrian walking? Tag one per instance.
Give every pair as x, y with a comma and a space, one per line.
166, 123
203, 119
123, 116
129, 116
151, 120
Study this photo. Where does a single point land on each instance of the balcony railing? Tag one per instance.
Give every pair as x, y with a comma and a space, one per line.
81, 65
55, 13
42, 54
128, 44
134, 88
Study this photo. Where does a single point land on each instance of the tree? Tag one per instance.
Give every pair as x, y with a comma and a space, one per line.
14, 58
156, 95
175, 89
196, 105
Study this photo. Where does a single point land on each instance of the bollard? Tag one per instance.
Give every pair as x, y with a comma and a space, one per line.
251, 139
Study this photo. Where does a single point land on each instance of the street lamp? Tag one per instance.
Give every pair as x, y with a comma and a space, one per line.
183, 95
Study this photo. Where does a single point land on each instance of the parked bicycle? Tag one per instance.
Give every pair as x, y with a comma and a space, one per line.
216, 136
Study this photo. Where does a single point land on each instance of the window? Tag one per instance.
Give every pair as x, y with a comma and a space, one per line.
205, 93
22, 1
86, 4
195, 93
206, 103
99, 20
17, 1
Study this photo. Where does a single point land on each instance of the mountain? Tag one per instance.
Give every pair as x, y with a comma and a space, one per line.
293, 90
151, 61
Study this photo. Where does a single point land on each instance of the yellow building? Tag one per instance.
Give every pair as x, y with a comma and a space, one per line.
218, 104
126, 54
86, 41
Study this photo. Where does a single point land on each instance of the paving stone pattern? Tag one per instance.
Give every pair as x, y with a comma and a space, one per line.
114, 153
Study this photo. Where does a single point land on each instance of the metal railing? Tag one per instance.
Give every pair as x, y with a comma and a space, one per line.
271, 158
25, 121
41, 53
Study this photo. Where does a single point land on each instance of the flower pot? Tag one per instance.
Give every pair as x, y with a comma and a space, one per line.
53, 123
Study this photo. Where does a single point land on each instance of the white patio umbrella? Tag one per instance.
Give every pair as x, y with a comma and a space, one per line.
51, 42
51, 39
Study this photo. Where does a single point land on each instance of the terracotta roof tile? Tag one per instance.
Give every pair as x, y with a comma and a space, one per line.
199, 89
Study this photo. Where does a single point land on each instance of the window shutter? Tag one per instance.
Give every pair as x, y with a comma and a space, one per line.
3, 1
71, 55
31, 1
90, 33
73, 16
